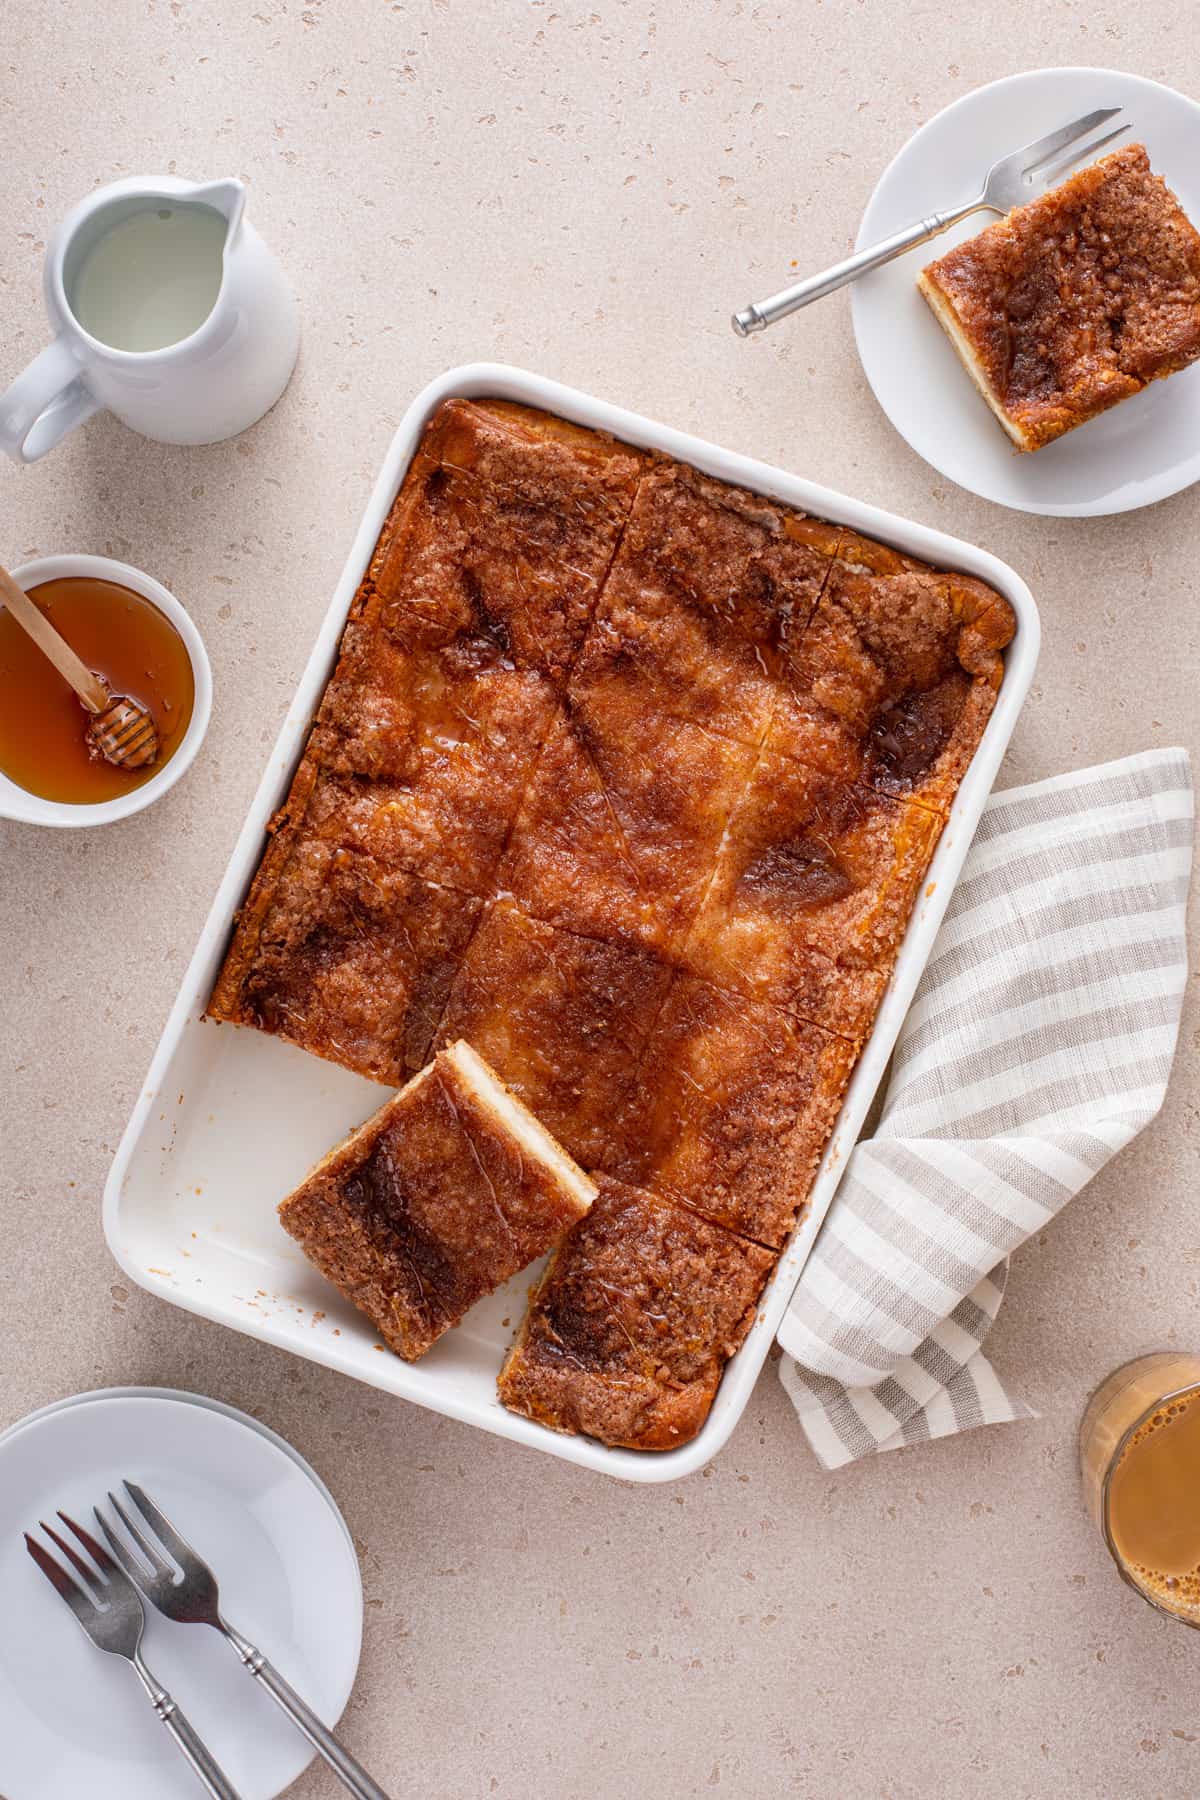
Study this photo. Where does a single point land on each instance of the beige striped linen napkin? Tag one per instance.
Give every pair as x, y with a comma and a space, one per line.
1038, 1045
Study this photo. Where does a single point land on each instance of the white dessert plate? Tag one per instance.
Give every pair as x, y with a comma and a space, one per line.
75, 1721
229, 1120
1141, 451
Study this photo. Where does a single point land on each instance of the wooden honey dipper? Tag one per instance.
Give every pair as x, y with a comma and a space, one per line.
120, 729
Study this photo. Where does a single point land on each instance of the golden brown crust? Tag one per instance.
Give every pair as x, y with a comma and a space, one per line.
447, 814
1078, 300
441, 736
339, 947
474, 603
508, 535
350, 960
428, 1206
894, 680
810, 866
734, 1104
226, 999
630, 779
622, 818
628, 1333
706, 597
562, 1019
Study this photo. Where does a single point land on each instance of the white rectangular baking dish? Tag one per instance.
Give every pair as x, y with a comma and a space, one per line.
230, 1120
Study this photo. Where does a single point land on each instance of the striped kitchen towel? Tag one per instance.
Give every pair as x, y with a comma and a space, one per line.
1038, 1045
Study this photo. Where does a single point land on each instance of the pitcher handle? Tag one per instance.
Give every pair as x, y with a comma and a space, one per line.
47, 400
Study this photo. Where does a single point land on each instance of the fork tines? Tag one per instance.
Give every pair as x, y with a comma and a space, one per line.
1050, 172
151, 1553
171, 1575
54, 1571
92, 1591
1034, 155
42, 1557
1051, 156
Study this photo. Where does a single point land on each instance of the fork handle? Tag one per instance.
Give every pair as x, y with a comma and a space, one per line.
209, 1771
765, 312
351, 1773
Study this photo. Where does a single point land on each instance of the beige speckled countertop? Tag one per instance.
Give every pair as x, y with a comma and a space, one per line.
588, 190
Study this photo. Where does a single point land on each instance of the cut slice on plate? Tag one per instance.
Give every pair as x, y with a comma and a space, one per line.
1073, 303
450, 1189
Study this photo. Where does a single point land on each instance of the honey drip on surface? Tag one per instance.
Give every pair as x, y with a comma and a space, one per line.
44, 744
1154, 1506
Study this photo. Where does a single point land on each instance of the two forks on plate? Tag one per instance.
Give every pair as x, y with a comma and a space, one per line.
150, 1557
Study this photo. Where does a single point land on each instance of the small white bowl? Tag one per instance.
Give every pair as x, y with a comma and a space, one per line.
17, 802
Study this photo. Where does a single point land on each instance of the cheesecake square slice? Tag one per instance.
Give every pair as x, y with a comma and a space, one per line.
812, 892
1078, 300
563, 1020
734, 1103
621, 821
501, 535
450, 1189
437, 787
631, 1326
345, 957
897, 675
709, 589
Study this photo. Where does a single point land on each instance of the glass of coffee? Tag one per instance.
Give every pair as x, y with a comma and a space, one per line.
1139, 1455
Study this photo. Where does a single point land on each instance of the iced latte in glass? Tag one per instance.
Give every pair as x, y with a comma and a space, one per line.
1139, 1450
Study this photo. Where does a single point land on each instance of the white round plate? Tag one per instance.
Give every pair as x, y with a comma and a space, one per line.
77, 1722
1141, 451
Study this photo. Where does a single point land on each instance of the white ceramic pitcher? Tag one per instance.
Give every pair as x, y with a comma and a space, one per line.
207, 386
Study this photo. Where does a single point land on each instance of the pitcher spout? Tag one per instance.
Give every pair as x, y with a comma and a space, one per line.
227, 197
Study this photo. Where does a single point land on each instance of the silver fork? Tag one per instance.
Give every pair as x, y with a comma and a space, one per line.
1010, 182
110, 1609
194, 1600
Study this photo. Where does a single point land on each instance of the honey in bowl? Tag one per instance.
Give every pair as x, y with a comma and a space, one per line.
124, 638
